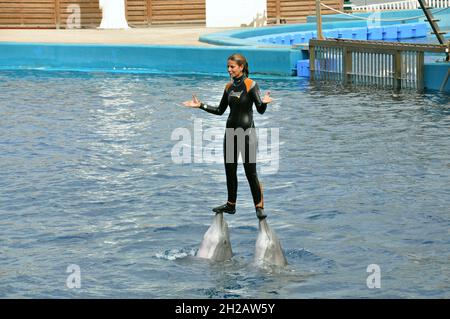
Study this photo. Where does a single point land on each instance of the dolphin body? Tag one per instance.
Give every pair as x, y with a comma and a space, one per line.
216, 243
268, 249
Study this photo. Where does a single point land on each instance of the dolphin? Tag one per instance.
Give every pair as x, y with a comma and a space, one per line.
216, 243
268, 249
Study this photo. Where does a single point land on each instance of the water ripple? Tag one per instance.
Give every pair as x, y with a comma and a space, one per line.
87, 178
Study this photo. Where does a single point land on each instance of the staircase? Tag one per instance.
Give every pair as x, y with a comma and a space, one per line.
434, 26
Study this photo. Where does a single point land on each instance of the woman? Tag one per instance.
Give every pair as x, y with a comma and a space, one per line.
240, 94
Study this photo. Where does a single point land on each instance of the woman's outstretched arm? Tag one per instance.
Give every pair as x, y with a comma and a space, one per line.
218, 110
261, 104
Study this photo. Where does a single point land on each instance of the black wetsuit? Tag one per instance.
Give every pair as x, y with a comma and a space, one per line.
240, 95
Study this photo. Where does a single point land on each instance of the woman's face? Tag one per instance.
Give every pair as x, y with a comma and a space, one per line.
234, 69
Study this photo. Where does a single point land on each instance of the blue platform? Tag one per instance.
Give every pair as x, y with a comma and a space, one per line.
353, 33
387, 33
404, 31
303, 68
375, 33
331, 34
419, 30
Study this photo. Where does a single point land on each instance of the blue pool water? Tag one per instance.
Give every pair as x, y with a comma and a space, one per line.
87, 178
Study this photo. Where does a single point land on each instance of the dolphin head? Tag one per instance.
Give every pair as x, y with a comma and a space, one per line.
268, 249
216, 241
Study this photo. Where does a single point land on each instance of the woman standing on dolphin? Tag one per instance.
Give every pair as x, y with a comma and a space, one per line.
240, 94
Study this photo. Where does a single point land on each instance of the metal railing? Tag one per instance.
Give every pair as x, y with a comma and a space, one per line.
370, 63
402, 5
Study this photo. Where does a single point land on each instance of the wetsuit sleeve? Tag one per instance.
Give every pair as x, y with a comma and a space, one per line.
218, 110
255, 94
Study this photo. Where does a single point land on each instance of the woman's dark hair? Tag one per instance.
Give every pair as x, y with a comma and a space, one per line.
240, 60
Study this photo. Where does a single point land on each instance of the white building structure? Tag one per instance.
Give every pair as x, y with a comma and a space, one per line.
236, 13
113, 14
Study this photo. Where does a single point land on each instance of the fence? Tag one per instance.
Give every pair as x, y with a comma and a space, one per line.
402, 5
292, 11
370, 63
54, 13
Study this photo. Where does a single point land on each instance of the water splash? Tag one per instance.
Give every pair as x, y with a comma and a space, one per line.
173, 254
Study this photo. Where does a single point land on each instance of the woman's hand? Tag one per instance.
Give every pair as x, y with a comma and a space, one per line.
195, 103
267, 99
